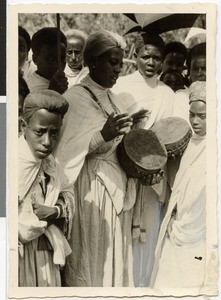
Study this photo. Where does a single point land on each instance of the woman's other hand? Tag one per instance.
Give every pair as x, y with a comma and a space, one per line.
116, 125
140, 116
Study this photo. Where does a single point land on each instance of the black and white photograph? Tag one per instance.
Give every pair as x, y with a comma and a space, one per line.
112, 150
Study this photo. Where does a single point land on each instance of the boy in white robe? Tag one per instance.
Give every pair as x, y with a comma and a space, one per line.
49, 74
45, 206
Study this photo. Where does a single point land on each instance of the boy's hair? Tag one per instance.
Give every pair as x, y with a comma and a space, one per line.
176, 47
173, 72
48, 36
147, 38
22, 86
22, 32
46, 99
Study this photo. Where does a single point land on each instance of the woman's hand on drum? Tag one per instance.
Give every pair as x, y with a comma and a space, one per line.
152, 179
116, 125
140, 115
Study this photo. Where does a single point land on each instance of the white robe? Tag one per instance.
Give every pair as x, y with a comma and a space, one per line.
40, 268
180, 253
101, 240
138, 92
37, 83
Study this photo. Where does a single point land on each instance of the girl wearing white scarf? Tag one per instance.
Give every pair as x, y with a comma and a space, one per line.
180, 255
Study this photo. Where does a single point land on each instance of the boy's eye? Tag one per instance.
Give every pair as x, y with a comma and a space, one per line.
191, 115
54, 133
52, 59
38, 132
203, 116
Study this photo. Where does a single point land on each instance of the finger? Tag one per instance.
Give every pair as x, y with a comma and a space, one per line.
127, 124
158, 178
118, 117
124, 120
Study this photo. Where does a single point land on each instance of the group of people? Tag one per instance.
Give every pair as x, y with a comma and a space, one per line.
82, 221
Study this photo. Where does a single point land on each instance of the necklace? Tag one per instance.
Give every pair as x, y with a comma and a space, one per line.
98, 102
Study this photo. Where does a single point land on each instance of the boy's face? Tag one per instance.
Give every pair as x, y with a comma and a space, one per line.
149, 60
42, 132
197, 116
75, 53
174, 81
47, 60
174, 62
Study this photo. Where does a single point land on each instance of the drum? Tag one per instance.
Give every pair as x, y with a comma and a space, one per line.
174, 133
140, 153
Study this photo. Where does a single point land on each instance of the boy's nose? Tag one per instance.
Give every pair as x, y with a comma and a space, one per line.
46, 140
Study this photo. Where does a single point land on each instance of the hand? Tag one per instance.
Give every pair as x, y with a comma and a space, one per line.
44, 212
58, 82
115, 126
152, 179
140, 115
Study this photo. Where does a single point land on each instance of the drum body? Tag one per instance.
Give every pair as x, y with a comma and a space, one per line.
140, 153
174, 133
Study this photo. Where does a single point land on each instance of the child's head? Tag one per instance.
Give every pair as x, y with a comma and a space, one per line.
75, 44
45, 52
42, 117
24, 45
197, 111
175, 54
173, 79
196, 63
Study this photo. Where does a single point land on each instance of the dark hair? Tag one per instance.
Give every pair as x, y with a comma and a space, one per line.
197, 50
175, 47
147, 38
48, 36
22, 86
22, 32
172, 72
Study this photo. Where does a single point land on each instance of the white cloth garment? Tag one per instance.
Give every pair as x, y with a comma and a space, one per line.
180, 253
138, 92
36, 82
30, 227
100, 240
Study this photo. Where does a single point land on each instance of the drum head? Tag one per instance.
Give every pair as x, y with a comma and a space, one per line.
142, 149
171, 130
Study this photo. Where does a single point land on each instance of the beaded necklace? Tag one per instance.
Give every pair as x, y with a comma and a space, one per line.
98, 102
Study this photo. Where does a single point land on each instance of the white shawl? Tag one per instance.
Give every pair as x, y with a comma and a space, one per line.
189, 195
31, 227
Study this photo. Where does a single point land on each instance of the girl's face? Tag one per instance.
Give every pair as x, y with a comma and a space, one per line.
149, 60
42, 132
198, 69
106, 68
197, 116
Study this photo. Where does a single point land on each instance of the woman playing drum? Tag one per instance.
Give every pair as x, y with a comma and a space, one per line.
93, 128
